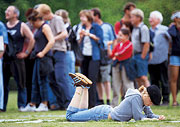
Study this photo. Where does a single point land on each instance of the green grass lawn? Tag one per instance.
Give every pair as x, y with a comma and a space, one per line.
57, 118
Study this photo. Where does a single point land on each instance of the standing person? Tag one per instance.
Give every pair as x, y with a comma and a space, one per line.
158, 64
122, 54
131, 107
91, 36
126, 18
140, 38
14, 64
59, 77
4, 42
70, 56
174, 32
44, 41
104, 72
29, 63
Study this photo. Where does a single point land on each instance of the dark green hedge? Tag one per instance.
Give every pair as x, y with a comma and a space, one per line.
112, 10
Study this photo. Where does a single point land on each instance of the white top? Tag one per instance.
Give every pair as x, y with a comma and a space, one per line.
87, 46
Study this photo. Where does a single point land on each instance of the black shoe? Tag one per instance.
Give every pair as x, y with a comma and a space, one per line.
165, 104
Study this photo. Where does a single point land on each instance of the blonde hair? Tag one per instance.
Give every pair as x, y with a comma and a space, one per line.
138, 12
88, 14
44, 9
64, 14
142, 90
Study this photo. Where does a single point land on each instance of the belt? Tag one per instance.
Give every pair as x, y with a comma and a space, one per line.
135, 53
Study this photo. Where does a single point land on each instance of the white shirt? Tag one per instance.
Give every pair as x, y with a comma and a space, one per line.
87, 46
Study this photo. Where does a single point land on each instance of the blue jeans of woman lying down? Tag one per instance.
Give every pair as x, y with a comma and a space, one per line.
97, 113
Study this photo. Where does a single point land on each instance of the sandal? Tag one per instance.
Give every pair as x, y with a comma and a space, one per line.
175, 104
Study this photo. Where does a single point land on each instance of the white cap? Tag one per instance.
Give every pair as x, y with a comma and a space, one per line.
175, 15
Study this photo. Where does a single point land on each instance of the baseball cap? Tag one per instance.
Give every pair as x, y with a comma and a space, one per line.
155, 94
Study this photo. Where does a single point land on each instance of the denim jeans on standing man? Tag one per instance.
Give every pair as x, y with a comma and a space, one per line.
59, 80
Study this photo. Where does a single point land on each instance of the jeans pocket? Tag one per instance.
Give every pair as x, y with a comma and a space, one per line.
46, 66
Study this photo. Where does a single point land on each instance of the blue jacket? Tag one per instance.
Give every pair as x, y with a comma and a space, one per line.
96, 30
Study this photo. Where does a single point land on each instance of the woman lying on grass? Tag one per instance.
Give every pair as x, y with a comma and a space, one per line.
132, 106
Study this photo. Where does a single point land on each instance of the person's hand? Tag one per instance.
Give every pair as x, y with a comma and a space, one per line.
150, 56
1, 54
21, 55
40, 55
143, 56
161, 117
82, 33
109, 43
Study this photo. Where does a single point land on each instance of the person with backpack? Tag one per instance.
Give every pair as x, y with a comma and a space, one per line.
91, 36
14, 64
141, 42
3, 44
126, 18
104, 77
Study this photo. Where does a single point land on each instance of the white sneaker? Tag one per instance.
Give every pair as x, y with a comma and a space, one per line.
20, 109
42, 107
28, 108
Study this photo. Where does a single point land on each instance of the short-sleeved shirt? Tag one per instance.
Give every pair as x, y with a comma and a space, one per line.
161, 44
57, 26
108, 33
3, 32
135, 37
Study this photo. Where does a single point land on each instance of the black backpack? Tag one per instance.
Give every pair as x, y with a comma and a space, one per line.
74, 45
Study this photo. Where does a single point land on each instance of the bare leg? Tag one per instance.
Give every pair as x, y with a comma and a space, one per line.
84, 99
76, 98
138, 80
174, 71
145, 81
99, 87
107, 89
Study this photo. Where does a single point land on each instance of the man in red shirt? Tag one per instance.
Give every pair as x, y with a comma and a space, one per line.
126, 18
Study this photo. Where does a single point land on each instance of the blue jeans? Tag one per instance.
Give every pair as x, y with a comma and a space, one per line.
1, 86
17, 68
59, 80
70, 59
39, 84
51, 97
97, 113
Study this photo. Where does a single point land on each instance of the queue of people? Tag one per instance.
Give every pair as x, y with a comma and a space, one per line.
40, 54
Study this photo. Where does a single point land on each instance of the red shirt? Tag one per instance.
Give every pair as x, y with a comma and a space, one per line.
118, 26
122, 51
